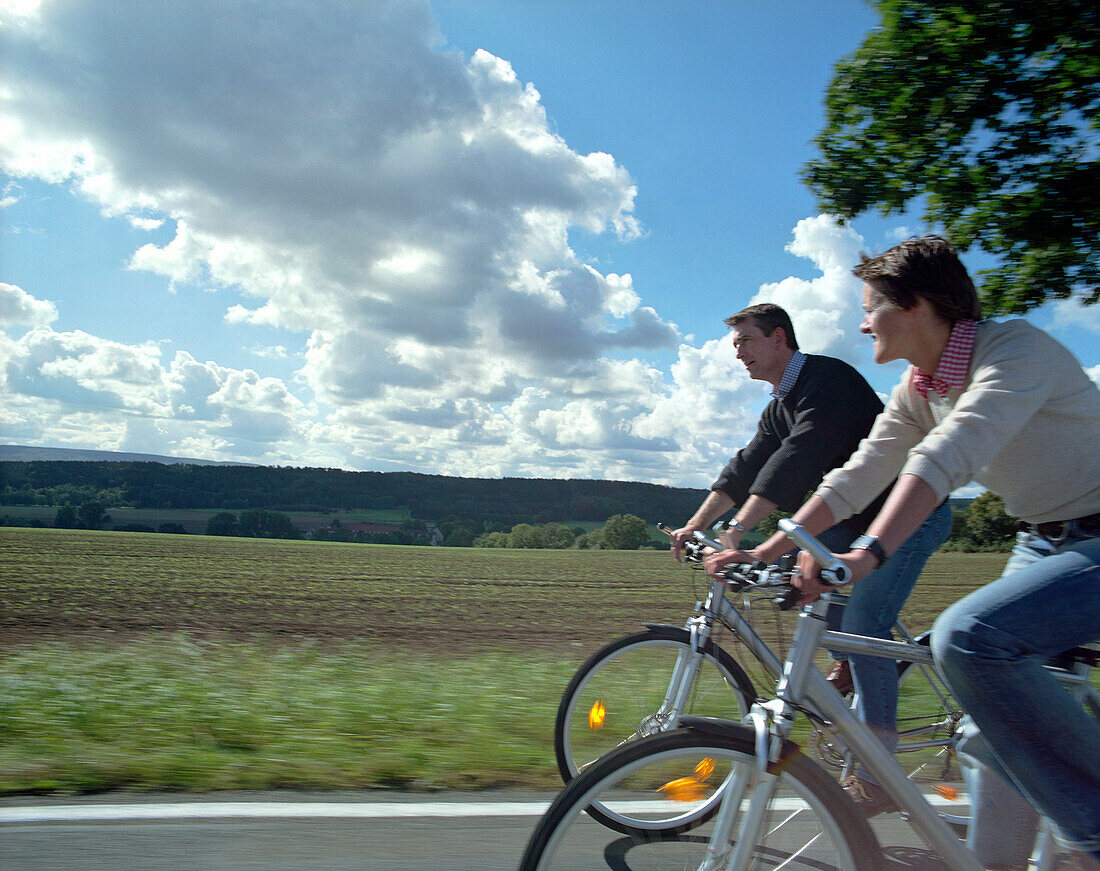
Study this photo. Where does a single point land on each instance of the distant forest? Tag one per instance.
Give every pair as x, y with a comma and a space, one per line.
483, 503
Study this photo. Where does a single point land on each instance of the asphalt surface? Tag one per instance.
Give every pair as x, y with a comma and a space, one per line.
293, 831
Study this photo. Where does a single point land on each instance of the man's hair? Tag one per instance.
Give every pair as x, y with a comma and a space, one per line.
767, 316
925, 266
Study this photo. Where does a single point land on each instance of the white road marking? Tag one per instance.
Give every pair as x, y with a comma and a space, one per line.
317, 809
268, 809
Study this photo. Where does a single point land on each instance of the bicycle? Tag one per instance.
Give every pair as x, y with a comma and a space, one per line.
768, 804
645, 682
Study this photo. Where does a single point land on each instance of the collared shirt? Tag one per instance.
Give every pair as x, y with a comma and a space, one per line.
790, 375
954, 364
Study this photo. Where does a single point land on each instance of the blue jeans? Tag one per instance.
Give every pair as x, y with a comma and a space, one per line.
872, 608
991, 646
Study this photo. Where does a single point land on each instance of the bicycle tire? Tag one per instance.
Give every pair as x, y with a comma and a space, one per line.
811, 825
629, 677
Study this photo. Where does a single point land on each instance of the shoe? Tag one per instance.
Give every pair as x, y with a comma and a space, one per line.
870, 798
841, 677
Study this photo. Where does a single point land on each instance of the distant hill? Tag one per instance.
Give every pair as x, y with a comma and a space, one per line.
59, 476
28, 454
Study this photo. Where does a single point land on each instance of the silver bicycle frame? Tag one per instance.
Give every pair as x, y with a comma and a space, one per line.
801, 682
801, 686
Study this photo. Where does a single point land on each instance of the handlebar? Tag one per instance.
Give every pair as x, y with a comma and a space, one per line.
833, 571
742, 576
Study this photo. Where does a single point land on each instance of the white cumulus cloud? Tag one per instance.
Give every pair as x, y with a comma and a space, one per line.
404, 209
19, 308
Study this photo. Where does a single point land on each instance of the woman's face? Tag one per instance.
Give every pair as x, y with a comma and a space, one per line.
887, 324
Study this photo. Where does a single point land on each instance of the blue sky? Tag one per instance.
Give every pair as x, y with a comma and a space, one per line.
462, 237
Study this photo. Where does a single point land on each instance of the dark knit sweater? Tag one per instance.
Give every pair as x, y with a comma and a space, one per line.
811, 430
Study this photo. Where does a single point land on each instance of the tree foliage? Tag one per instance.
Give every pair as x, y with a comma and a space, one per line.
982, 526
624, 532
526, 535
482, 503
990, 110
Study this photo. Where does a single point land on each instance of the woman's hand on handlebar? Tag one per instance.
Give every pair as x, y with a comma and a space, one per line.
808, 578
718, 561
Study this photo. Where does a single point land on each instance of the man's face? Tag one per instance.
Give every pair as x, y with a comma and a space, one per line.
763, 356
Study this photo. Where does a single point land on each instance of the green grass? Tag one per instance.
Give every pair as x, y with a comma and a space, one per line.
190, 662
172, 713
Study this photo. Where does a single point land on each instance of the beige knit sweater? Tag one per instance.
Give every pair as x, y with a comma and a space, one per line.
1026, 425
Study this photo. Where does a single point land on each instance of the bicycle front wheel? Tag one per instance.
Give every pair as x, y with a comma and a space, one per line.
620, 694
809, 825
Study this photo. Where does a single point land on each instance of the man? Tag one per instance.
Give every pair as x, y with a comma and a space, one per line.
820, 410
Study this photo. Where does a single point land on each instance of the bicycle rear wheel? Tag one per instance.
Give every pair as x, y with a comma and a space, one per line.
618, 695
810, 824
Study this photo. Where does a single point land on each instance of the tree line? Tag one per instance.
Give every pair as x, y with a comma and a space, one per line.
486, 504
621, 532
514, 513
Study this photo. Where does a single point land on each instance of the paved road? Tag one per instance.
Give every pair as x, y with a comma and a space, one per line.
301, 832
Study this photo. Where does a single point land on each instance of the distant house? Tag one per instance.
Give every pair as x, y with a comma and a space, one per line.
435, 534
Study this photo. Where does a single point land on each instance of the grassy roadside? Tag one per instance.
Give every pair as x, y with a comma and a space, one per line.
179, 714
175, 662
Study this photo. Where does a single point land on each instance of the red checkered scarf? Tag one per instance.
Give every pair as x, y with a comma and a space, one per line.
953, 364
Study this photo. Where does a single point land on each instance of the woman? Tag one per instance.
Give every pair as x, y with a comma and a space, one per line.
1004, 405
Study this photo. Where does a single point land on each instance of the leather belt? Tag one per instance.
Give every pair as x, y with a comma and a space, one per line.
1060, 530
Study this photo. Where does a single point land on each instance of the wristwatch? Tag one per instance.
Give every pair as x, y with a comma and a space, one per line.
738, 525
870, 543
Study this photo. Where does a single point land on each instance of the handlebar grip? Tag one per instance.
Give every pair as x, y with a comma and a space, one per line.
697, 535
709, 542
833, 570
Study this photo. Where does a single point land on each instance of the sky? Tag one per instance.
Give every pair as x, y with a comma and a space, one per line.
482, 238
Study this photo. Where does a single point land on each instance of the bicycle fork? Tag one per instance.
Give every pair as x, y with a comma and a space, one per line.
684, 673
771, 723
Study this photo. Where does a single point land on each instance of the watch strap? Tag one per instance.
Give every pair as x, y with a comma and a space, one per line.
872, 544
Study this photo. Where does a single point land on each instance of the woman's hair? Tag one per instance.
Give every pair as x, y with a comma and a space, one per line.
926, 266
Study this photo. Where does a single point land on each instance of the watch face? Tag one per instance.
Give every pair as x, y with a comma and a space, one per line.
870, 543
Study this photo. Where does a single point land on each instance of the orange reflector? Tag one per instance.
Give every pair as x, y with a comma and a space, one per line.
945, 791
705, 768
597, 715
684, 789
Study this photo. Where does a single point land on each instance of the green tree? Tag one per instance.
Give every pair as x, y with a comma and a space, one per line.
260, 523
92, 514
624, 532
987, 525
558, 536
590, 540
223, 523
526, 535
492, 539
65, 518
989, 110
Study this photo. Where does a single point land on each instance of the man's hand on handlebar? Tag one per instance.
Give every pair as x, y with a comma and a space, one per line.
679, 538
